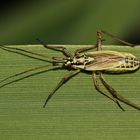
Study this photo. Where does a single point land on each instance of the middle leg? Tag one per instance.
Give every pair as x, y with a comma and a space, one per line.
84, 49
63, 81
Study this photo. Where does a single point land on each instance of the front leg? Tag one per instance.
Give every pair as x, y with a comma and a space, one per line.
57, 48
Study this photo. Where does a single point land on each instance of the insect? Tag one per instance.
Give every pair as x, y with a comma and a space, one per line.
82, 60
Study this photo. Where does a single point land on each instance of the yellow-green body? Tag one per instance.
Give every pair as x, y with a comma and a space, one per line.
108, 61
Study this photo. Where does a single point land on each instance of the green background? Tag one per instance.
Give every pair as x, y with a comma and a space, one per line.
68, 21
76, 111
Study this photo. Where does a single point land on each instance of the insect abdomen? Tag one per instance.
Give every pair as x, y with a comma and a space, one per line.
129, 64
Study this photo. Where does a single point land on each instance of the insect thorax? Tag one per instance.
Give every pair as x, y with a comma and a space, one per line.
79, 62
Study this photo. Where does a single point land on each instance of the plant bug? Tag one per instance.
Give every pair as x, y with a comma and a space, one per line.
82, 60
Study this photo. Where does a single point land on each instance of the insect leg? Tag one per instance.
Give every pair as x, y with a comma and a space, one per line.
99, 41
100, 91
25, 53
26, 74
57, 48
63, 81
116, 95
118, 39
80, 50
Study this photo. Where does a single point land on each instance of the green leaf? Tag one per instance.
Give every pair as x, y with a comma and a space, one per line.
76, 111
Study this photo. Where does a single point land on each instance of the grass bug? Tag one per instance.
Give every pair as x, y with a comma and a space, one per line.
82, 60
